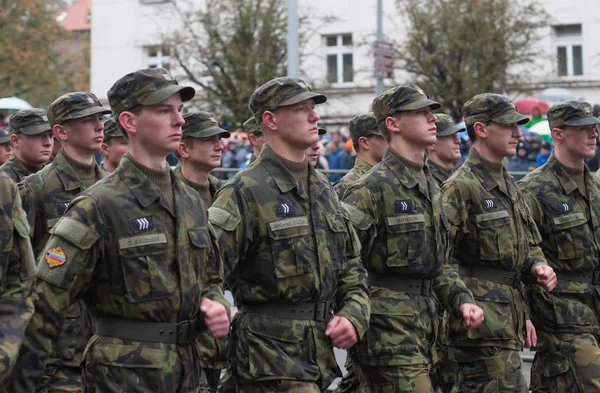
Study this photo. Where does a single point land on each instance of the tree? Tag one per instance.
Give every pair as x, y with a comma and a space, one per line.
229, 48
455, 49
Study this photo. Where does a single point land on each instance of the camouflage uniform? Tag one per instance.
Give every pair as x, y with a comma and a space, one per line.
402, 230
493, 240
46, 195
289, 261
567, 357
361, 125
205, 125
111, 130
28, 122
443, 370
16, 277
141, 268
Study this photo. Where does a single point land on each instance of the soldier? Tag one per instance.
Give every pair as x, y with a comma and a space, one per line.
369, 145
56, 146
31, 138
6, 148
564, 199
46, 195
397, 214
255, 136
16, 279
113, 147
493, 240
442, 155
288, 257
139, 251
312, 153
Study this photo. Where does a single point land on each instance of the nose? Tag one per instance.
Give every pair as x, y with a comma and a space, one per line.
517, 132
433, 117
99, 125
456, 139
179, 121
314, 116
220, 146
48, 140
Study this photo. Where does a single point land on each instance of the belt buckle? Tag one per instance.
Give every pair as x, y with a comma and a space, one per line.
426, 287
321, 310
516, 279
183, 332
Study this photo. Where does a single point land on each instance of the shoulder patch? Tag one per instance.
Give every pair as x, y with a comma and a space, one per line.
222, 218
357, 217
75, 232
55, 257
489, 204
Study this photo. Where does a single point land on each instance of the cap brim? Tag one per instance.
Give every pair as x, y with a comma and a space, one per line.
319, 98
322, 131
451, 130
208, 132
88, 112
186, 93
511, 117
584, 121
35, 130
426, 102
4, 139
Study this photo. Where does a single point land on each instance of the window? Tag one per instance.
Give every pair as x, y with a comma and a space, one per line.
157, 56
339, 59
569, 49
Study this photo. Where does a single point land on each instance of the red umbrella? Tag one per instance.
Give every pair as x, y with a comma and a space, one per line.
529, 104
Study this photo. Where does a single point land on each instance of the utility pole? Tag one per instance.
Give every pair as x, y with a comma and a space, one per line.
293, 40
379, 87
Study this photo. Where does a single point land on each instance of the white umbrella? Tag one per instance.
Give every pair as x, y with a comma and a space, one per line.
556, 94
542, 129
14, 103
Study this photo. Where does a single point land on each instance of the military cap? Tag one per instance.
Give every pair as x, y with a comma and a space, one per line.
400, 99
446, 126
202, 125
4, 136
251, 127
363, 125
145, 87
281, 92
29, 122
74, 106
492, 107
322, 131
571, 113
111, 129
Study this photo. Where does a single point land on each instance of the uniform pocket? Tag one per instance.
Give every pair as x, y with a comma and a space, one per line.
494, 235
200, 241
405, 235
499, 322
145, 268
571, 302
289, 242
568, 230
337, 243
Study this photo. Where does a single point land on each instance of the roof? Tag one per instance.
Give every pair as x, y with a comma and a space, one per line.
76, 16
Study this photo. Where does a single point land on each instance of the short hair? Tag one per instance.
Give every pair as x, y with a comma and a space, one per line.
384, 131
471, 132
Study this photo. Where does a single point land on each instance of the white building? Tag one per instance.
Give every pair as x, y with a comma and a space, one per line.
338, 60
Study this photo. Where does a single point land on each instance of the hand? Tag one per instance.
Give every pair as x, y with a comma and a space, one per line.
215, 317
531, 339
545, 276
472, 315
341, 332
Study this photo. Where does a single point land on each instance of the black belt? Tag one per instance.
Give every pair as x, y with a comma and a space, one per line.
318, 311
416, 286
592, 277
157, 332
499, 276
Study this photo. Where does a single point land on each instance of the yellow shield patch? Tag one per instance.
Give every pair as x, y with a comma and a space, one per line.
55, 257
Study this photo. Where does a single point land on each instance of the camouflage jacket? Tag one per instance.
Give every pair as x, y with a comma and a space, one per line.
15, 169
491, 226
282, 246
16, 275
360, 168
569, 223
437, 172
403, 232
129, 257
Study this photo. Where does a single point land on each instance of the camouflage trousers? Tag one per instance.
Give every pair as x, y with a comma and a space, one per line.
278, 386
212, 377
61, 380
443, 370
487, 370
398, 379
566, 362
349, 383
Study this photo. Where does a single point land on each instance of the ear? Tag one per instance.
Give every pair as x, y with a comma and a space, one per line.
14, 140
183, 151
363, 143
480, 130
557, 134
252, 139
104, 149
128, 122
59, 131
269, 120
431, 147
392, 124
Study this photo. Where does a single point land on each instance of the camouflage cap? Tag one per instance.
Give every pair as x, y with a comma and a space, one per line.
112, 130
363, 125
401, 99
145, 87
571, 113
281, 92
446, 126
74, 106
492, 107
4, 136
29, 122
251, 127
202, 125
